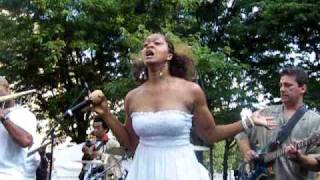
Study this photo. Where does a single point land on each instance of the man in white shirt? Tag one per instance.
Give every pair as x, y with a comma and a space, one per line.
33, 160
17, 128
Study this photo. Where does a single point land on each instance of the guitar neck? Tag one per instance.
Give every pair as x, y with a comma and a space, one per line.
271, 156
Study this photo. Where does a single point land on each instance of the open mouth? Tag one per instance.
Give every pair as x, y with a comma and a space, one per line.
149, 53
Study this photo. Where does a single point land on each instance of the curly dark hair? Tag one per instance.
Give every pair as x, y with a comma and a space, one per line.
180, 65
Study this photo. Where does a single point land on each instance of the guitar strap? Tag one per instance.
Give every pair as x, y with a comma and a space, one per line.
100, 145
104, 142
286, 129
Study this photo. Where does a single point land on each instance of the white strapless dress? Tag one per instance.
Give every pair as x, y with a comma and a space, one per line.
164, 151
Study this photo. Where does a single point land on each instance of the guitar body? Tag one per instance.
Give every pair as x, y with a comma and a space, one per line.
260, 168
254, 171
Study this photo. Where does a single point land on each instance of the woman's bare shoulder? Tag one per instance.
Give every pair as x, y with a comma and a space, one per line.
132, 93
189, 85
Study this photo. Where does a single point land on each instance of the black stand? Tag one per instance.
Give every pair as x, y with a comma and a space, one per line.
52, 137
211, 163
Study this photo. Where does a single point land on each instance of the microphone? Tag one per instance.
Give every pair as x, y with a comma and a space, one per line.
79, 106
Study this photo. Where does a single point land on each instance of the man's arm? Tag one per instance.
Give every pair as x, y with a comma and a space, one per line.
22, 137
310, 161
248, 153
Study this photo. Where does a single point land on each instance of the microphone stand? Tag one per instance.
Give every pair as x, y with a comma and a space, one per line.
52, 135
211, 163
72, 104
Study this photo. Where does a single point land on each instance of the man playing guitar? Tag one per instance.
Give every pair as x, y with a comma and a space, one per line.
293, 86
94, 150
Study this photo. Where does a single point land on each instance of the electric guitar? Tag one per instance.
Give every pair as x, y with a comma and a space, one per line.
259, 168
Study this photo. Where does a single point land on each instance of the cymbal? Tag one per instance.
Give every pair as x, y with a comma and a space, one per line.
200, 148
99, 162
120, 151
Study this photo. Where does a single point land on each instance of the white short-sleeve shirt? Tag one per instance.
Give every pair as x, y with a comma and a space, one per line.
13, 156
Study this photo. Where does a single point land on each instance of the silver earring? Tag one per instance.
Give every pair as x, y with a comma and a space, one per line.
161, 74
143, 75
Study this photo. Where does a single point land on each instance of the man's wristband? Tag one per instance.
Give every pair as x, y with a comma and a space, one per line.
3, 120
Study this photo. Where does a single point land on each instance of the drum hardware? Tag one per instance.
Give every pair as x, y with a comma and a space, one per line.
94, 173
102, 174
97, 162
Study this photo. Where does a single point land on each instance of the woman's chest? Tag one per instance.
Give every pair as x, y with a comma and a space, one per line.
154, 102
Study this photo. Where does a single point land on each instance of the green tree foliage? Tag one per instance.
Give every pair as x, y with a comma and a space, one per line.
266, 35
234, 156
56, 46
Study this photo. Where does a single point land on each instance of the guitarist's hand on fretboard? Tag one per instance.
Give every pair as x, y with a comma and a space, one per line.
292, 153
88, 152
310, 162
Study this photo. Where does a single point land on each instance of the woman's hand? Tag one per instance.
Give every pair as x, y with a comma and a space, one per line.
99, 102
266, 121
